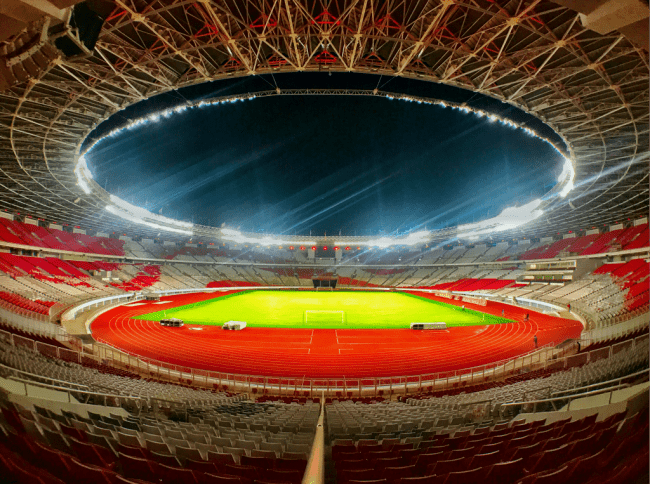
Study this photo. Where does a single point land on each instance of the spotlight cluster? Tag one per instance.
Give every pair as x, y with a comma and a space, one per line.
509, 218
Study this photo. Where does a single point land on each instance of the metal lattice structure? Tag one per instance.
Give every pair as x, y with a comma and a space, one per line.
592, 89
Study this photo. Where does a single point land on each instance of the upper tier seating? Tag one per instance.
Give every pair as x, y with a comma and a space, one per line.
630, 238
28, 234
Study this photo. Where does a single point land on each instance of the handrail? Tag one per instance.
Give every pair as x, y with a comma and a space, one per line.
464, 404
568, 397
82, 392
315, 470
460, 373
43, 377
602, 383
105, 354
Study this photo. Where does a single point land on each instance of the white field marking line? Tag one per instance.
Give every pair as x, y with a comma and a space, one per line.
162, 302
132, 305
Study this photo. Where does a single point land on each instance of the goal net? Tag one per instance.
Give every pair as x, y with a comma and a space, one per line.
317, 316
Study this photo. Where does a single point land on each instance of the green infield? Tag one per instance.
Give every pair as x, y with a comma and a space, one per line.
306, 309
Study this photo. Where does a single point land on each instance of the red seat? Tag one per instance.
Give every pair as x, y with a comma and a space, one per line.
554, 476
351, 464
370, 481
521, 441
73, 432
176, 475
166, 459
584, 466
92, 454
556, 442
394, 473
368, 474
248, 472
133, 451
548, 459
259, 462
471, 476
586, 446
89, 474
25, 476
424, 480
523, 452
291, 464
505, 472
137, 468
291, 477
391, 462
408, 454
446, 466
485, 460
58, 463
215, 479
200, 466
219, 458
466, 452
423, 461
118, 479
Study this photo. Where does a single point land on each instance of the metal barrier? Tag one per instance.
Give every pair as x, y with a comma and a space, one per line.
104, 354
60, 383
135, 404
545, 358
315, 470
549, 404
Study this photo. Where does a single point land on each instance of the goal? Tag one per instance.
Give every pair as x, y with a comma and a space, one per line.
317, 316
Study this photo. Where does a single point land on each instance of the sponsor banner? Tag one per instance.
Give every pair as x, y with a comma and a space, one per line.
475, 300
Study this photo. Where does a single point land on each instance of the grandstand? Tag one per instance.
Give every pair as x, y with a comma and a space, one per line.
90, 393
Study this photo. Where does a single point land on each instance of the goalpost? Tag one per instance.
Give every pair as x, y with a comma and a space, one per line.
317, 316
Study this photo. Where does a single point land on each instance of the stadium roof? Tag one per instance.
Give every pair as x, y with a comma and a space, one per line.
591, 88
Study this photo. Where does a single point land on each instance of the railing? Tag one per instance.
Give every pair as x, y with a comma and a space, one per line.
620, 330
135, 404
9, 369
555, 403
104, 354
315, 470
75, 311
545, 358
596, 385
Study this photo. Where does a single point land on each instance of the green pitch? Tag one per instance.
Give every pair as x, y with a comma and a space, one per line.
306, 309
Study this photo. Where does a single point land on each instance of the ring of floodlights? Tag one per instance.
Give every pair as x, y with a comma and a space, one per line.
509, 218
591, 89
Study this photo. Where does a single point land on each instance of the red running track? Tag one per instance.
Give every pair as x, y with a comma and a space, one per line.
328, 353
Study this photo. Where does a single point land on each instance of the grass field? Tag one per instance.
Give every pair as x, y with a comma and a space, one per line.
334, 310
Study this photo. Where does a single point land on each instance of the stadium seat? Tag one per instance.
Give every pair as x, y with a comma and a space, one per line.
176, 475
505, 471
92, 454
552, 476
217, 479
465, 476
485, 460
137, 468
89, 474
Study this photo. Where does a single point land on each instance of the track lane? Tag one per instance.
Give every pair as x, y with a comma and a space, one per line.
354, 353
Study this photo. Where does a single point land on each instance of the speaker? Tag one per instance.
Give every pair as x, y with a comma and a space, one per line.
85, 25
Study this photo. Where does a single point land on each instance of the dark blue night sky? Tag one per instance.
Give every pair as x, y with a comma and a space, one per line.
357, 165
